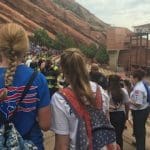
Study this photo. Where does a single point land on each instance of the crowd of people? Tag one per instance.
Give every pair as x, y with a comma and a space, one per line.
65, 94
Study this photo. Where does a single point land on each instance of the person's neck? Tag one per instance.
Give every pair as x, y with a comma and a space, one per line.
5, 63
138, 82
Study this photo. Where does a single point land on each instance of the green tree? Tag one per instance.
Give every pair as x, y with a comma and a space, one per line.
70, 42
63, 41
42, 38
89, 51
102, 55
92, 50
59, 42
82, 47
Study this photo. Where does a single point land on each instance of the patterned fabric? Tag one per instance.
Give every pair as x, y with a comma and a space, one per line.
10, 139
139, 96
102, 132
8, 105
94, 129
82, 138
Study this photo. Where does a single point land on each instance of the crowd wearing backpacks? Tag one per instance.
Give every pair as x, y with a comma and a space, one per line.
88, 112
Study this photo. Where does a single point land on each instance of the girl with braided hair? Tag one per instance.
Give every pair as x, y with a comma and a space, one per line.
33, 112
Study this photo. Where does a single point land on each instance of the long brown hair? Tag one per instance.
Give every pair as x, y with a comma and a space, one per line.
75, 71
13, 45
115, 89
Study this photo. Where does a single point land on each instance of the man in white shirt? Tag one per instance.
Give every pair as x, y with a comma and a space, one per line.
139, 107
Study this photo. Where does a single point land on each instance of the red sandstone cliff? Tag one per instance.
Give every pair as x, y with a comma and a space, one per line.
34, 14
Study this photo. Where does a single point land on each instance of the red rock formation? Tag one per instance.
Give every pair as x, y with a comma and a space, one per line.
34, 14
72, 20
10, 15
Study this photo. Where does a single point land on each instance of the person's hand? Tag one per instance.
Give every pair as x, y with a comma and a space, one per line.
3, 94
131, 102
114, 107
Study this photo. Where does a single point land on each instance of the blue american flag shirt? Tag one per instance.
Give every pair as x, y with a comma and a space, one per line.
36, 98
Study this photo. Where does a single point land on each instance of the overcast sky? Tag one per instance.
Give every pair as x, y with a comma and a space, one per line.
123, 13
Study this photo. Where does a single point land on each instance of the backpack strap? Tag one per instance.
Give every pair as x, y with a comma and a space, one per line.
70, 97
147, 90
28, 85
79, 110
26, 89
99, 102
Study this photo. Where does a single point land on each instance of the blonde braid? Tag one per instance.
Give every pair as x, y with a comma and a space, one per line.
10, 70
14, 44
9, 75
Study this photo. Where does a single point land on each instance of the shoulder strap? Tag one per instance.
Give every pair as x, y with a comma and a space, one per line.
26, 89
147, 90
70, 97
79, 110
99, 102
28, 85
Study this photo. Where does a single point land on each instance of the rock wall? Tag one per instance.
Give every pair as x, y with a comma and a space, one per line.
46, 14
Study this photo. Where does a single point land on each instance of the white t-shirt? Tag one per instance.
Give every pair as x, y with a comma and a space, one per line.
139, 96
28, 62
64, 121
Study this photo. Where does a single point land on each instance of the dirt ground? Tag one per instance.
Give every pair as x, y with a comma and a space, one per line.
49, 138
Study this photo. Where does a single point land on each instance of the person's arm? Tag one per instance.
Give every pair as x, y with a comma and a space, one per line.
61, 142
43, 105
127, 110
126, 102
132, 102
44, 116
60, 124
136, 98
